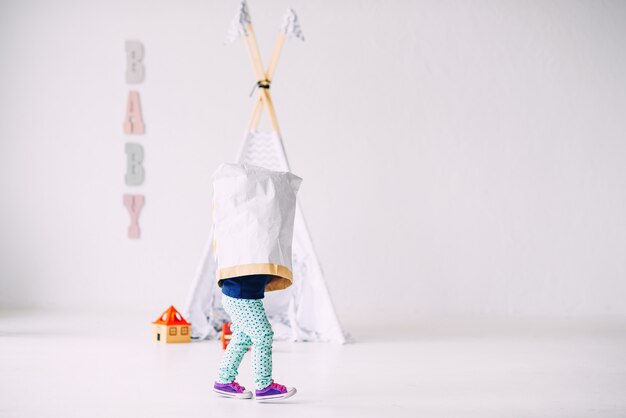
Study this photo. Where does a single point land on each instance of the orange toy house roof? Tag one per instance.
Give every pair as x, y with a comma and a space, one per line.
171, 317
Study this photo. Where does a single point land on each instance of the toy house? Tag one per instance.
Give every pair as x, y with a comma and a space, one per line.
171, 327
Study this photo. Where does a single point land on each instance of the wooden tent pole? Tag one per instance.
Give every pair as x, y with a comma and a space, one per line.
257, 63
269, 75
253, 52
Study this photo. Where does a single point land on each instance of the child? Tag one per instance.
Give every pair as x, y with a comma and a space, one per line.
254, 211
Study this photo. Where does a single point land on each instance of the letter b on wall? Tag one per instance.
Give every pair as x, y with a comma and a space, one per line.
134, 66
134, 164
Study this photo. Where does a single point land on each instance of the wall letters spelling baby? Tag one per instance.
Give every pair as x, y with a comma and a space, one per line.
133, 125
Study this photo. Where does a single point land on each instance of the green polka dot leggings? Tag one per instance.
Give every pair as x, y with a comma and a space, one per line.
249, 327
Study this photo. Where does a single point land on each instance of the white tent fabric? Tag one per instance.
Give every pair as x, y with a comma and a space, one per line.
304, 311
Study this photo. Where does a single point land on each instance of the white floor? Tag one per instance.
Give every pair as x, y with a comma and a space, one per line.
106, 366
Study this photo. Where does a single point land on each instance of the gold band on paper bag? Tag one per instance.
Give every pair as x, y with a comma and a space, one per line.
283, 277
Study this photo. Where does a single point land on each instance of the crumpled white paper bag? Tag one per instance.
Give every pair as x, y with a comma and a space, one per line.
253, 216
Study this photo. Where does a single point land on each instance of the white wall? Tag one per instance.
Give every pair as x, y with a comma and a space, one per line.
457, 156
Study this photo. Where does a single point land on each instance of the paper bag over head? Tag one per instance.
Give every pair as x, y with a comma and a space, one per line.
253, 216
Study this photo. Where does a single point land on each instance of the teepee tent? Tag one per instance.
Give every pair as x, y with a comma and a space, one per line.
304, 311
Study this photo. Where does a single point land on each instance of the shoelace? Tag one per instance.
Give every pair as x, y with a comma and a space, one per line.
278, 386
237, 386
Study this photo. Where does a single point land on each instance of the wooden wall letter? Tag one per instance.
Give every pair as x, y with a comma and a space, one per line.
134, 203
133, 124
134, 66
134, 167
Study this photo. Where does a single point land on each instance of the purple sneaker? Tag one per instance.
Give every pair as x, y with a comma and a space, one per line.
232, 390
274, 392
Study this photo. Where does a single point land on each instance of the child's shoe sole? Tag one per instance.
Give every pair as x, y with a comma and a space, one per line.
245, 395
278, 397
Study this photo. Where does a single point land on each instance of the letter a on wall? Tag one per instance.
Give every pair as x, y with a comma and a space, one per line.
133, 124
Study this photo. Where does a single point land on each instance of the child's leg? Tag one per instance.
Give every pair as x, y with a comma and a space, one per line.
250, 317
236, 349
262, 336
